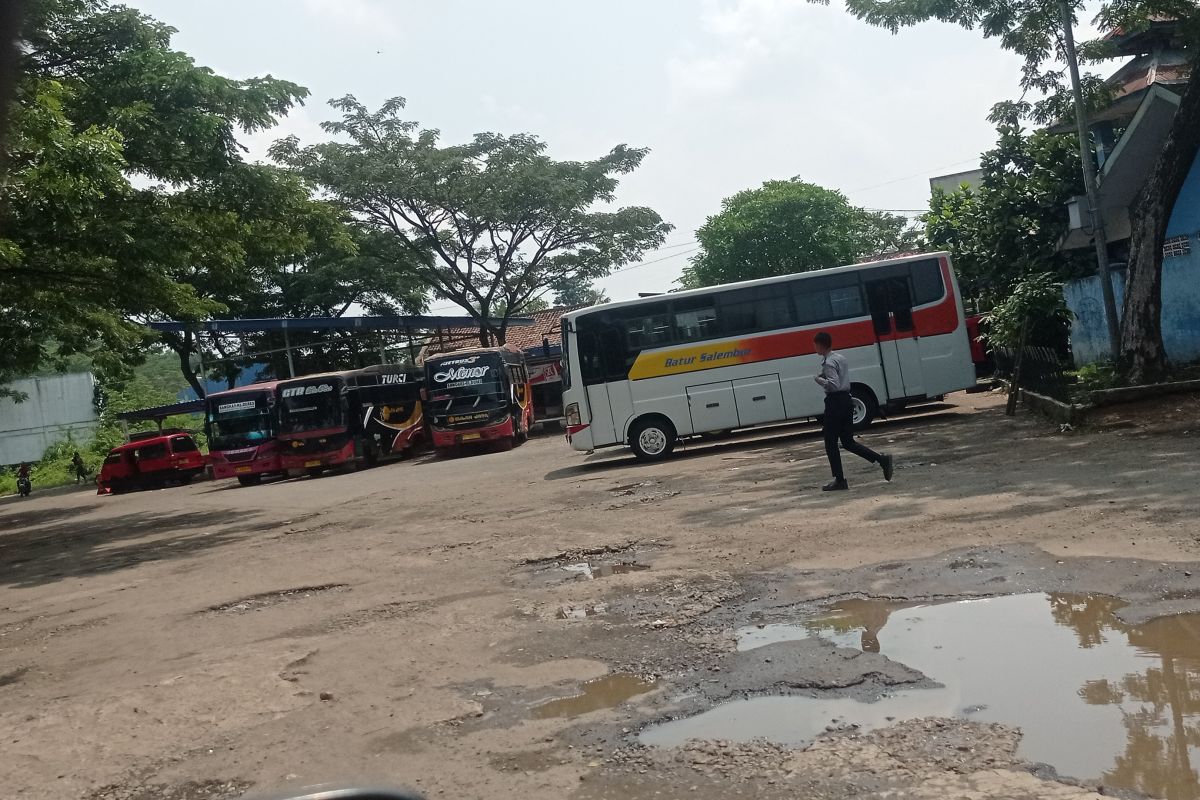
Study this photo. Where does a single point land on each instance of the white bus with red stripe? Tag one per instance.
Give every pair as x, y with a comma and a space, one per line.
648, 372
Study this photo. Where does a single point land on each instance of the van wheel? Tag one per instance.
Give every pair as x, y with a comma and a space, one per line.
863, 407
652, 439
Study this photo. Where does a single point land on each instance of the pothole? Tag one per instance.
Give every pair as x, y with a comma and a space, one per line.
257, 602
596, 695
627, 548
588, 563
591, 570
9, 678
1095, 697
635, 493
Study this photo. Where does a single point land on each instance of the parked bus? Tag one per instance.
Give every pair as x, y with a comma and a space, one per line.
346, 418
478, 396
391, 418
647, 372
241, 427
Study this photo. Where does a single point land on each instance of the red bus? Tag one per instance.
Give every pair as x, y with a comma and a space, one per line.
478, 396
241, 427
342, 419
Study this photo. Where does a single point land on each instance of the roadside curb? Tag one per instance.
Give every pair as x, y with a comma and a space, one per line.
52, 491
1076, 413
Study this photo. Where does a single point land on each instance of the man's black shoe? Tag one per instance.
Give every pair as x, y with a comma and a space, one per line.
886, 463
835, 486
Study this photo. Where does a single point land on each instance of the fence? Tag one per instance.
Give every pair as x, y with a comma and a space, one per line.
1043, 369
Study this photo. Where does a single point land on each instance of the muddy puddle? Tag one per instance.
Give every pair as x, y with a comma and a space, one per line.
1094, 697
607, 692
590, 570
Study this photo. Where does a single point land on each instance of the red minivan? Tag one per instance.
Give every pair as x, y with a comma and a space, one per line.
150, 461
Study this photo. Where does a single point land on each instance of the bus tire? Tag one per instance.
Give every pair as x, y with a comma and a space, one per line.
652, 438
864, 407
249, 480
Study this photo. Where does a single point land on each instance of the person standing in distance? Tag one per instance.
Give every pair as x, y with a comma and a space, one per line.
834, 378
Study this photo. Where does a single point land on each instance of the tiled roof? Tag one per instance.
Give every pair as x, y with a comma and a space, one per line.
545, 325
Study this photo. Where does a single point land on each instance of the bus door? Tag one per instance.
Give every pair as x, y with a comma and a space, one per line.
890, 302
599, 350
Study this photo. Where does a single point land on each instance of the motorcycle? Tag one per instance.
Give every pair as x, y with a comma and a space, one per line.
24, 486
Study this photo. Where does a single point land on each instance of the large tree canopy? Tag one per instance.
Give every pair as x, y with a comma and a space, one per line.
1035, 31
489, 225
1010, 225
87, 254
789, 226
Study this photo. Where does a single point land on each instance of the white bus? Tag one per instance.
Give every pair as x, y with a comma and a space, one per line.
648, 372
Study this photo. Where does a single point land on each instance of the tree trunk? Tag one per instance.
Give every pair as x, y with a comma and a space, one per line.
1142, 357
182, 345
1014, 386
485, 334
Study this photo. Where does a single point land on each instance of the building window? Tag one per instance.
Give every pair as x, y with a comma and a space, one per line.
1177, 246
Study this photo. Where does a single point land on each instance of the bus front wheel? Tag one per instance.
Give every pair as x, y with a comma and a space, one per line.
652, 439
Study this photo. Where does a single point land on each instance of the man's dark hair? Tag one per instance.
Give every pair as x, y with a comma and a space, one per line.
824, 339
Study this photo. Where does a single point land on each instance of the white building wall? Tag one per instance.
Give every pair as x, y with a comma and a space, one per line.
54, 406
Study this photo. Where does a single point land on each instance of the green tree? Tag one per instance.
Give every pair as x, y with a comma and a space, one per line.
1038, 32
85, 255
788, 226
62, 281
1010, 226
490, 224
579, 294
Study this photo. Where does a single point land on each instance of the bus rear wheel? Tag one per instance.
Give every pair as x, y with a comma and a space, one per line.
652, 439
863, 407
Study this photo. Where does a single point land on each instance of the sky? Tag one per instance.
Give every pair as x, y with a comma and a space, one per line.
725, 93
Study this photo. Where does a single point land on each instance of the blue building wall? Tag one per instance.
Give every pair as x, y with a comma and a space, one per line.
1180, 311
1185, 217
1180, 291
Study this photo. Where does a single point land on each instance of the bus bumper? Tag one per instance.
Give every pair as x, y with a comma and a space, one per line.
259, 466
454, 438
331, 458
580, 437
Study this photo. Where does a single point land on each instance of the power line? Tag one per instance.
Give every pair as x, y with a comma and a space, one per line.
920, 174
655, 261
695, 247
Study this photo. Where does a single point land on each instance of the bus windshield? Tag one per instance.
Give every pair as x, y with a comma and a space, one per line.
239, 421
458, 384
310, 407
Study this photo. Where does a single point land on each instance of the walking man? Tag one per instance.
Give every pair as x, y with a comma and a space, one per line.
834, 378
80, 468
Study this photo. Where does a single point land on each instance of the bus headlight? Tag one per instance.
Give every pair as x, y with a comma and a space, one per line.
572, 414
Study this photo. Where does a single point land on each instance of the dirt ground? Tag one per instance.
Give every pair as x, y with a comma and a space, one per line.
404, 625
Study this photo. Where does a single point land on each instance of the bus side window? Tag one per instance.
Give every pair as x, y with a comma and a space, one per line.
751, 310
695, 319
927, 283
828, 298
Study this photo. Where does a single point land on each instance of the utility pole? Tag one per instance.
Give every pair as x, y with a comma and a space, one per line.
1089, 183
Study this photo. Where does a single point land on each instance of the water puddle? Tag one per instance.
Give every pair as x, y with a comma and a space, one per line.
591, 570
607, 692
1094, 697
